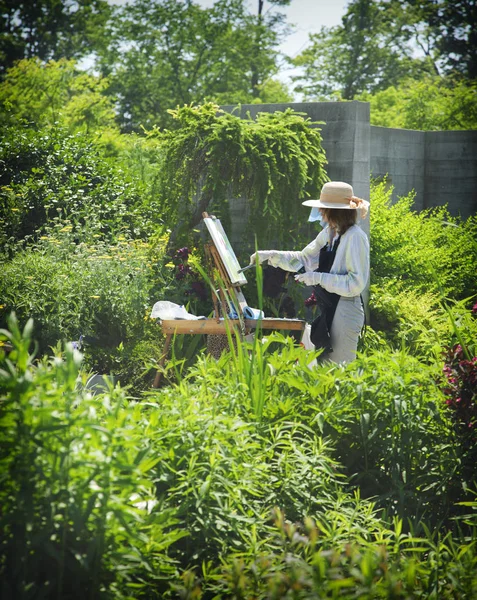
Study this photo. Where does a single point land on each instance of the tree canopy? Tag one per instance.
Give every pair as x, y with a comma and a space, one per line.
50, 29
212, 156
166, 53
381, 43
136, 61
431, 103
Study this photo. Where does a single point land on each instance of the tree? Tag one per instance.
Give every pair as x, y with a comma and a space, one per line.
274, 161
383, 42
458, 44
445, 31
433, 103
164, 53
265, 23
39, 95
49, 29
361, 54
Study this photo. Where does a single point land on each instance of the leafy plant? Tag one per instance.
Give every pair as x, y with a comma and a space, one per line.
103, 292
411, 247
409, 319
76, 506
50, 175
56, 93
211, 156
311, 561
461, 390
428, 103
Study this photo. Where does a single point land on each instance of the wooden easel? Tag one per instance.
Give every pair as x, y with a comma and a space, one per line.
226, 294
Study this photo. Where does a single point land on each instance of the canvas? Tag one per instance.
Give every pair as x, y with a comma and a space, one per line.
224, 248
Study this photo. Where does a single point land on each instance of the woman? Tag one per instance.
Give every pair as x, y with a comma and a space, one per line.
337, 263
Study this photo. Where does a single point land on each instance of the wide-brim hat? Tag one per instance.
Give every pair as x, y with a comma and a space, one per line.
338, 194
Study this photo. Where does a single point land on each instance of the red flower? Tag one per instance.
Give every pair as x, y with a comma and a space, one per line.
312, 300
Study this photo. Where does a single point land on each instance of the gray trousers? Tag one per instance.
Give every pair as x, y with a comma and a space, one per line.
345, 329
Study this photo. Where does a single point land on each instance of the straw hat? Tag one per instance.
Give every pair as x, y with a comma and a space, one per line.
337, 194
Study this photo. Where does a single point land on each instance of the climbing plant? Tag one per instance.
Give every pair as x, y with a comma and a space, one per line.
211, 157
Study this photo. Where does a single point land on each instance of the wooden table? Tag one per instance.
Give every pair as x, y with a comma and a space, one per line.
220, 326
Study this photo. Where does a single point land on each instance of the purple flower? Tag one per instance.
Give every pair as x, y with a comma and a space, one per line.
183, 253
474, 309
183, 271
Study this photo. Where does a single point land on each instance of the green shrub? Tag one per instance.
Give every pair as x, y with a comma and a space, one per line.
211, 156
76, 511
411, 320
103, 292
383, 413
429, 251
191, 477
51, 175
310, 562
225, 472
44, 94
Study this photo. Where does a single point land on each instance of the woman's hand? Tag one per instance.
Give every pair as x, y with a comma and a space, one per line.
308, 278
260, 256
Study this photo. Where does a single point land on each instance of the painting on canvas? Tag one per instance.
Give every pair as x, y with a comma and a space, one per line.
225, 250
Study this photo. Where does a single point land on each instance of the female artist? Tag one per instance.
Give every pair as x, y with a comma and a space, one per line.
336, 263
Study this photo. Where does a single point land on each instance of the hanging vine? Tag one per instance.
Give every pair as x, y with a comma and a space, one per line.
275, 161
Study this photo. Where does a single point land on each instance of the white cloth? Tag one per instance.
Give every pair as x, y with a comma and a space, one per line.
350, 271
166, 310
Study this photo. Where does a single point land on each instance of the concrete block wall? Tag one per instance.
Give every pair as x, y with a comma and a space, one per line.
451, 171
440, 166
399, 154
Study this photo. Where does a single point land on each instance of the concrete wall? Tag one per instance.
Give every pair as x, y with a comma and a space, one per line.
451, 171
399, 154
440, 166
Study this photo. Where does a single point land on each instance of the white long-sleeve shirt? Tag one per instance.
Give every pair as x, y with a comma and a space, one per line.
350, 271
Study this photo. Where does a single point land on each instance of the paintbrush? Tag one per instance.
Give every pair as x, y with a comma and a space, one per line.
247, 267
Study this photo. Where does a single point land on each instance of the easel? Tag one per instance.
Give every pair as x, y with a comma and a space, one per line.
228, 294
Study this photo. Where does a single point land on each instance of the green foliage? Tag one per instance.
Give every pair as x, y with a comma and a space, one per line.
345, 60
49, 174
101, 291
381, 43
219, 469
384, 414
57, 92
225, 474
395, 441
48, 29
163, 54
429, 251
274, 160
443, 31
422, 272
429, 103
76, 503
392, 565
413, 320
